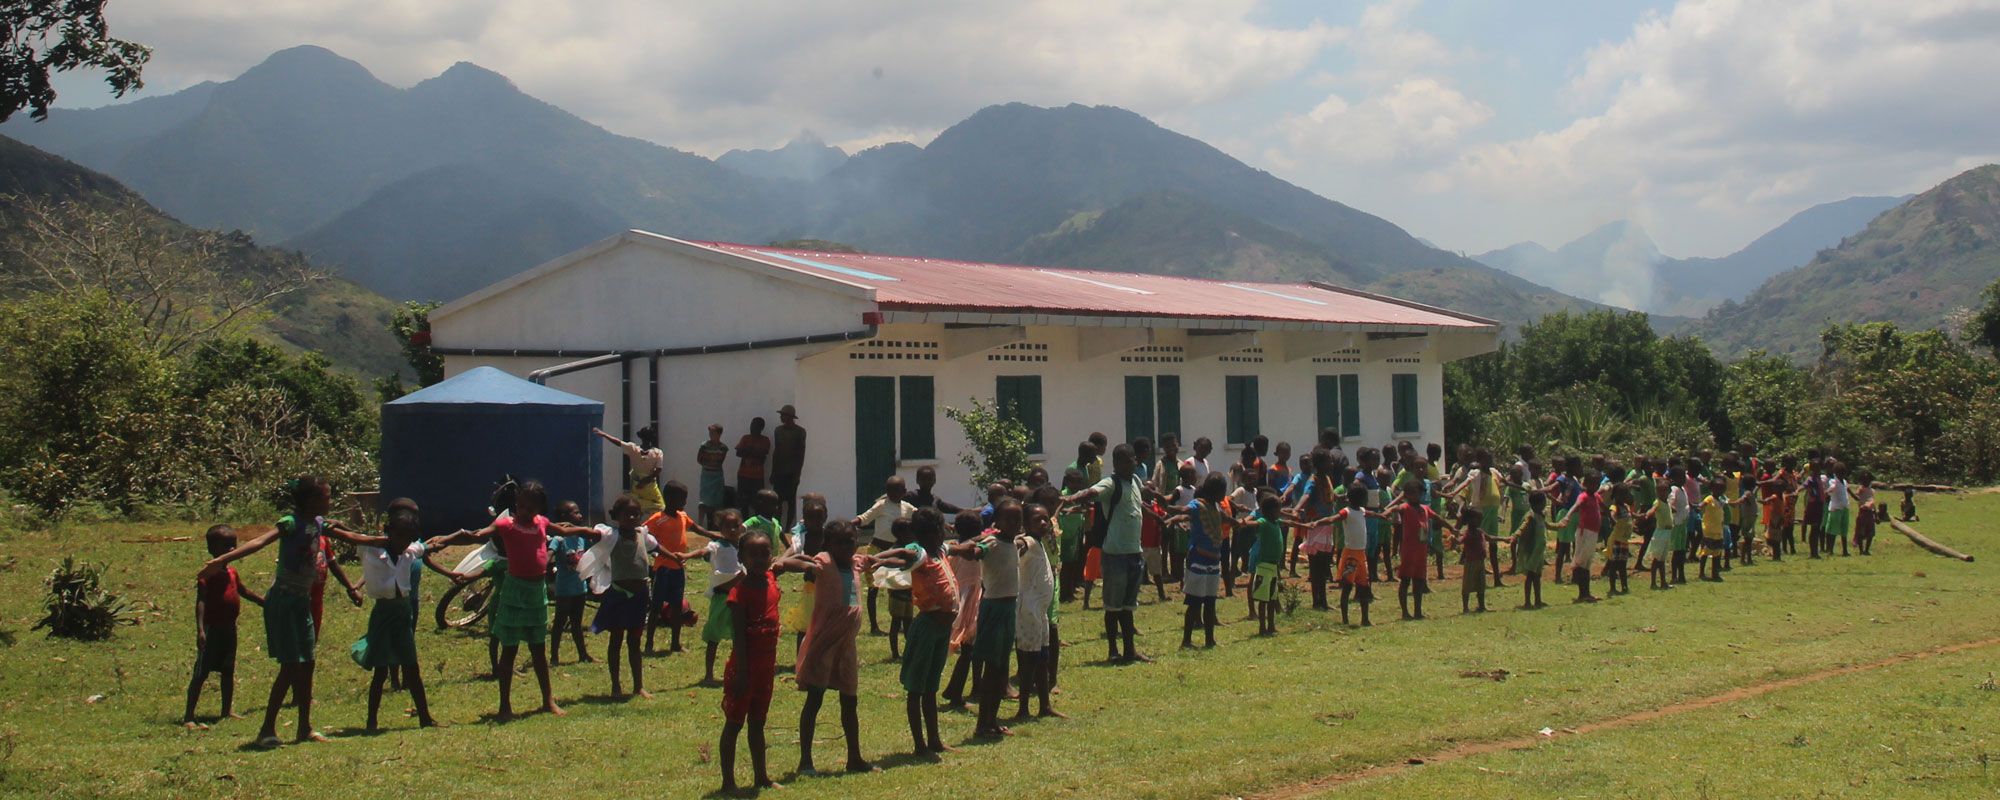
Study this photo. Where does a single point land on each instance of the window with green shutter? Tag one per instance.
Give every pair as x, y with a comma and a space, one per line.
1326, 397
1167, 400
1339, 401
1404, 396
1240, 407
918, 417
1138, 407
1019, 397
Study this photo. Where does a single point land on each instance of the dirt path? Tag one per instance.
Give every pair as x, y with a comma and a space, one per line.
1470, 749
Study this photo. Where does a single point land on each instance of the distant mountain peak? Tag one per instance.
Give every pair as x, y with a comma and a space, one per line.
467, 75
306, 63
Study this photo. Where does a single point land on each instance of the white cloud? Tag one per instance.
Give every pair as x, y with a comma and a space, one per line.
1714, 121
1394, 116
709, 76
1413, 119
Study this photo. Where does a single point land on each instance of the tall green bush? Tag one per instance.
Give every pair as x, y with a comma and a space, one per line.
996, 445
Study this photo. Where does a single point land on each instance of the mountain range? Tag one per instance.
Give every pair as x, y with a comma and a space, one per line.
1618, 263
1919, 265
337, 318
431, 191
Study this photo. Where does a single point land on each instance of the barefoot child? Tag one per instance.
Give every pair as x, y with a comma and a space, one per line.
879, 521
616, 568
670, 528
993, 643
828, 658
1839, 511
1618, 548
1472, 546
289, 635
217, 602
1864, 512
1033, 629
570, 589
1414, 519
725, 568
520, 598
1314, 502
935, 596
752, 606
1208, 530
1711, 552
390, 566
965, 573
1268, 562
1529, 543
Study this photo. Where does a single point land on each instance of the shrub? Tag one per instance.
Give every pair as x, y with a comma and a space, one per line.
996, 446
78, 605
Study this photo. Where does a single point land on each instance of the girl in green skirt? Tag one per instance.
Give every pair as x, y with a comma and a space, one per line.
390, 566
288, 627
521, 600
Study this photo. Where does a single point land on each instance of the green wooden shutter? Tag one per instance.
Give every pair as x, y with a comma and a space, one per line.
1019, 397
1138, 407
1350, 405
918, 412
874, 437
1326, 396
1167, 398
1251, 426
1232, 409
1405, 389
1240, 403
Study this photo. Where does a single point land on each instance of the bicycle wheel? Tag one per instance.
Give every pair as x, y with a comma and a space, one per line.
465, 603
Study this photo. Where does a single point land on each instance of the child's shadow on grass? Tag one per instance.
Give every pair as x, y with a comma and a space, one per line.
607, 700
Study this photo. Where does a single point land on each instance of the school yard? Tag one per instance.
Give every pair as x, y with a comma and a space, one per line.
1856, 677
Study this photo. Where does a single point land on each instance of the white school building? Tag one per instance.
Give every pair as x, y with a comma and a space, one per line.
869, 348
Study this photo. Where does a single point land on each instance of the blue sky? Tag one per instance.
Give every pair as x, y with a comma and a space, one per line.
1472, 124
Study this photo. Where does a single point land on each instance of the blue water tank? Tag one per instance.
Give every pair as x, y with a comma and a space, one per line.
448, 445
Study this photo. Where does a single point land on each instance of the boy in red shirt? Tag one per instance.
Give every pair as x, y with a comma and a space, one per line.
1149, 544
217, 602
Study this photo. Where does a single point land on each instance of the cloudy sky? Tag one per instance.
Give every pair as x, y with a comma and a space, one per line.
1472, 123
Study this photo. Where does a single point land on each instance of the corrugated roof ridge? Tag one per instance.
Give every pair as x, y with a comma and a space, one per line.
1306, 284
1331, 287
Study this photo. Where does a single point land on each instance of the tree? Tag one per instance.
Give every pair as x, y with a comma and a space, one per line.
183, 286
1605, 347
1762, 399
1985, 328
46, 36
412, 327
996, 444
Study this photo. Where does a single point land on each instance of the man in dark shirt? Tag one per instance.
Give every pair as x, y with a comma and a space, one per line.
752, 451
788, 459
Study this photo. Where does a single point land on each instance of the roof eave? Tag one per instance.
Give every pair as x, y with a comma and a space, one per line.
916, 313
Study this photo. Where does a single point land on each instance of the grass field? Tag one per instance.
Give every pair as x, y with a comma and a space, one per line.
1269, 715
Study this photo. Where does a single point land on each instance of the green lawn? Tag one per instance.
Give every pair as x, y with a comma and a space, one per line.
1252, 715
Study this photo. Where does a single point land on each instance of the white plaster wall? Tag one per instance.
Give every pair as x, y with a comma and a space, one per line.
1078, 398
1081, 397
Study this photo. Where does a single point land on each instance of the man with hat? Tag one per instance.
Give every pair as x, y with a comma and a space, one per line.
788, 459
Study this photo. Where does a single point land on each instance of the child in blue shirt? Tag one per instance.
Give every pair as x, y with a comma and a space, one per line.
1207, 529
571, 591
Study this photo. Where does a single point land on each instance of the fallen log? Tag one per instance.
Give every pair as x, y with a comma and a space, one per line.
1921, 487
1926, 542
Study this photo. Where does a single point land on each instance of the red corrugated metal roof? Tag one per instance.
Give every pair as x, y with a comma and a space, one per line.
904, 283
